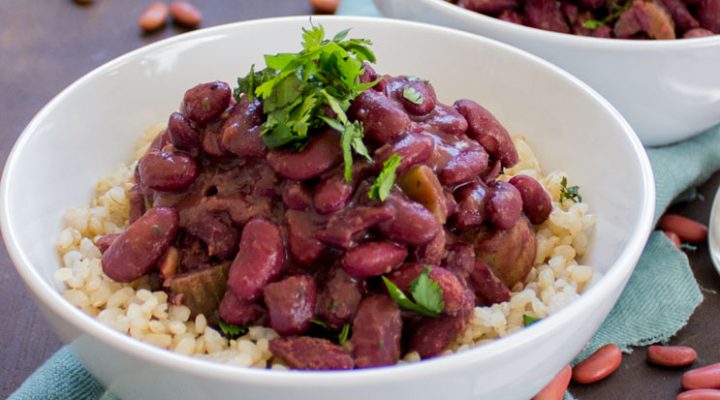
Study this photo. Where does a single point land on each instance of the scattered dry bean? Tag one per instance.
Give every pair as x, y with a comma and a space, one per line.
707, 377
599, 365
555, 390
699, 394
185, 14
687, 229
325, 6
154, 17
671, 356
674, 238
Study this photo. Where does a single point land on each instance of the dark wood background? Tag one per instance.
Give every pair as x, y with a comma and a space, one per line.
46, 45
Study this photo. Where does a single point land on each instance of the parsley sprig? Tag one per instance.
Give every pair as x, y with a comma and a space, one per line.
529, 319
383, 184
297, 88
427, 295
231, 331
570, 193
617, 10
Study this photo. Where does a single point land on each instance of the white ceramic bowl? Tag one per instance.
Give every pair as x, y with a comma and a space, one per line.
91, 127
668, 90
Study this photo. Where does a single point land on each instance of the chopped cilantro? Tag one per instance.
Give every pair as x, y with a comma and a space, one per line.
319, 323
380, 189
617, 10
344, 333
570, 193
529, 320
427, 295
231, 331
412, 95
156, 230
592, 24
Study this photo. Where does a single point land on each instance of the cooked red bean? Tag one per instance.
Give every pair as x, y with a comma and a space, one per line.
137, 250
339, 297
687, 229
344, 227
708, 15
183, 132
680, 14
413, 149
490, 7
599, 365
487, 287
674, 238
465, 167
218, 234
304, 248
332, 193
627, 26
454, 295
240, 133
383, 119
671, 356
504, 206
369, 74
451, 204
211, 142
236, 312
483, 127
460, 260
319, 155
206, 101
512, 16
167, 171
413, 223
545, 14
432, 336
447, 119
510, 253
707, 377
418, 91
373, 259
103, 242
308, 353
258, 260
137, 203
697, 32
536, 201
555, 390
471, 210
296, 196
291, 304
432, 252
699, 394
376, 332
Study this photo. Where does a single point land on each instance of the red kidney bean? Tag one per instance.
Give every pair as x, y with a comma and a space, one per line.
671, 356
205, 102
512, 16
483, 127
339, 297
296, 196
687, 229
236, 312
680, 14
425, 94
432, 252
460, 260
504, 206
319, 155
699, 394
211, 141
137, 250
555, 390
707, 377
627, 25
446, 119
137, 203
185, 14
510, 253
413, 149
241, 130
599, 365
154, 17
309, 353
373, 259
492, 173
697, 32
369, 74
454, 294
487, 287
376, 331
332, 193
708, 14
258, 261
167, 171
422, 185
545, 14
304, 248
465, 167
217, 233
490, 7
413, 223
536, 202
471, 210
104, 241
344, 227
291, 304
383, 119
432, 336
183, 133
674, 238
451, 203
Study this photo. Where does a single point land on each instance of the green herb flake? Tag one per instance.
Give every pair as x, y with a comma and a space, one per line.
156, 230
571, 193
206, 104
592, 24
380, 189
426, 295
344, 334
412, 95
320, 324
529, 320
231, 331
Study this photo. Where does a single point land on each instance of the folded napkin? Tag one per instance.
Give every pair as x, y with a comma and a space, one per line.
658, 300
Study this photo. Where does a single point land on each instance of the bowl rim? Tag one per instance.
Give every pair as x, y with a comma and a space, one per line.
44, 292
533, 34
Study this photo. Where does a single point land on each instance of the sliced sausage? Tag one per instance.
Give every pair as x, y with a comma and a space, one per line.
376, 332
291, 304
308, 353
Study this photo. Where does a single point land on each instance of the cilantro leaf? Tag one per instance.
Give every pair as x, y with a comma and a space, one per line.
380, 189
412, 95
592, 24
231, 331
320, 323
248, 84
529, 320
344, 333
427, 293
570, 193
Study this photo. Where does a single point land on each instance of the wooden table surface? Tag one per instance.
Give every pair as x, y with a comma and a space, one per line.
46, 45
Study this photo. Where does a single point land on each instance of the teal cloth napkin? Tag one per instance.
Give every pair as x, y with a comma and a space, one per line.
657, 302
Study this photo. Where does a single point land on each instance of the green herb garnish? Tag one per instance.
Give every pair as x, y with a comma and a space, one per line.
412, 95
297, 88
344, 333
617, 10
529, 320
570, 193
320, 324
231, 331
156, 230
592, 24
427, 295
380, 189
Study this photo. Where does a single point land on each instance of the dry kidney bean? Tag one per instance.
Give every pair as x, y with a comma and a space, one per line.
684, 21
457, 301
674, 238
432, 336
687, 229
465, 167
487, 287
167, 171
296, 196
509, 253
471, 199
426, 96
383, 119
432, 252
421, 184
344, 227
490, 7
332, 193
183, 132
697, 32
154, 17
291, 304
216, 232
258, 261
339, 297
536, 202
104, 241
325, 6
236, 312
699, 394
504, 206
413, 149
413, 223
599, 365
205, 102
447, 119
308, 353
555, 390
373, 259
671, 356
707, 377
545, 14
137, 203
709, 15
483, 127
240, 133
376, 331
137, 250
185, 14
304, 248
319, 155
